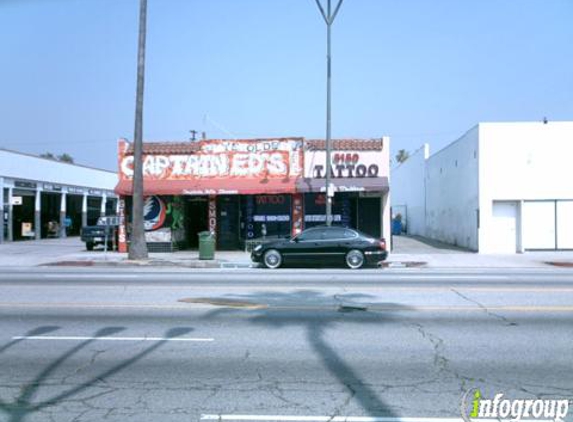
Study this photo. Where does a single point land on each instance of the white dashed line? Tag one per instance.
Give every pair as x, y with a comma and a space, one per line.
82, 338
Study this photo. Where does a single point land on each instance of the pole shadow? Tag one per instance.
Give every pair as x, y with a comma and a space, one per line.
279, 310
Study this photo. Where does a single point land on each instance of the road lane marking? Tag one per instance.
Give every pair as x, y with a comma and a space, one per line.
84, 305
84, 338
286, 418
450, 277
94, 276
381, 288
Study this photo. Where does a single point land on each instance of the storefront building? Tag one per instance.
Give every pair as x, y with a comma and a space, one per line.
503, 187
243, 190
42, 198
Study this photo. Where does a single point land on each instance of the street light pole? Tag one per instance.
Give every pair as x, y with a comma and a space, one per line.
328, 17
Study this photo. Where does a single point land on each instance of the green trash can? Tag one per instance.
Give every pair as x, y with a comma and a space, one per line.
206, 245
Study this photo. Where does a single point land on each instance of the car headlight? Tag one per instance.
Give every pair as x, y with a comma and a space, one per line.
257, 248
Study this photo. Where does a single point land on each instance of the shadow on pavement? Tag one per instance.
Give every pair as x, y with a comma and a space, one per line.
281, 311
24, 404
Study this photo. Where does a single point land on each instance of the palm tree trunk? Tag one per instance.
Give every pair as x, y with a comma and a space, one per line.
138, 246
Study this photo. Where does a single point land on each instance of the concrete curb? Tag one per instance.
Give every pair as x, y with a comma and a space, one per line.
219, 263
151, 263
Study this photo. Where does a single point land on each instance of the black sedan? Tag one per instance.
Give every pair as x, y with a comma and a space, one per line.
324, 245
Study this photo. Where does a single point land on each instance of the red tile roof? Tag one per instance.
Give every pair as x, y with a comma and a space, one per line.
167, 148
346, 144
191, 147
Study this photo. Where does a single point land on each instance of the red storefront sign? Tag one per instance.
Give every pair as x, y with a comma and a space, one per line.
216, 168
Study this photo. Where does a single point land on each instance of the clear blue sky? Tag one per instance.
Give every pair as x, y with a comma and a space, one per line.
415, 70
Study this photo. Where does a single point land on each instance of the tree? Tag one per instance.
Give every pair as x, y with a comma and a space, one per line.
402, 156
138, 245
48, 155
64, 158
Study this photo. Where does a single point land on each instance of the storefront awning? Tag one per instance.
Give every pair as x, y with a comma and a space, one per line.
210, 187
366, 184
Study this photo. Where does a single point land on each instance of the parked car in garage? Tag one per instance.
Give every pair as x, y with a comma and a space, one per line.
105, 230
323, 245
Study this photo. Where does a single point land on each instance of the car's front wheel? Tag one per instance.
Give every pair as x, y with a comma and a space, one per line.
355, 259
272, 259
89, 246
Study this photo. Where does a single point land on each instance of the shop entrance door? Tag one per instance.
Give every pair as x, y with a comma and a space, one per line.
504, 227
369, 216
228, 222
196, 220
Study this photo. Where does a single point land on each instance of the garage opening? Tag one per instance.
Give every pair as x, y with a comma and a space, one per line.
23, 214
74, 213
94, 210
50, 215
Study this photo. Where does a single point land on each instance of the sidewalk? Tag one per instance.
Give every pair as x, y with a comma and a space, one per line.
411, 251
183, 259
71, 252
408, 252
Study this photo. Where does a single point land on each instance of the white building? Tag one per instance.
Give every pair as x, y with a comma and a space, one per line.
500, 188
40, 197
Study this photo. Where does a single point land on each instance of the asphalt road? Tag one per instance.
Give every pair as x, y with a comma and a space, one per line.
255, 345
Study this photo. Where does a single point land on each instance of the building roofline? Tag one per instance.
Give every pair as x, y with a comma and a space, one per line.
26, 154
451, 144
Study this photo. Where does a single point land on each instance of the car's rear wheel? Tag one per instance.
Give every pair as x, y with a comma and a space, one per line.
272, 259
355, 259
89, 246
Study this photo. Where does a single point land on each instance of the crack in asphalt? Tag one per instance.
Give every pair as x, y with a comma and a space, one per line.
494, 315
82, 368
440, 361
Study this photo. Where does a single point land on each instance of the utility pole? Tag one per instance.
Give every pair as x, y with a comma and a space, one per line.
138, 245
328, 17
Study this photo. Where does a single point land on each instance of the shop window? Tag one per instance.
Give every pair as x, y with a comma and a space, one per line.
343, 210
266, 216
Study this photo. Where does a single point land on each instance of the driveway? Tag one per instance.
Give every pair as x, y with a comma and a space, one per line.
72, 251
37, 252
422, 245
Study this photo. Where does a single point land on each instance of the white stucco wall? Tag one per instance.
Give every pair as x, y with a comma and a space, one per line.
386, 199
27, 167
452, 192
408, 191
523, 161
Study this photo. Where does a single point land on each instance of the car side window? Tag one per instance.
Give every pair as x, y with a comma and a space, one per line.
313, 234
349, 234
333, 233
